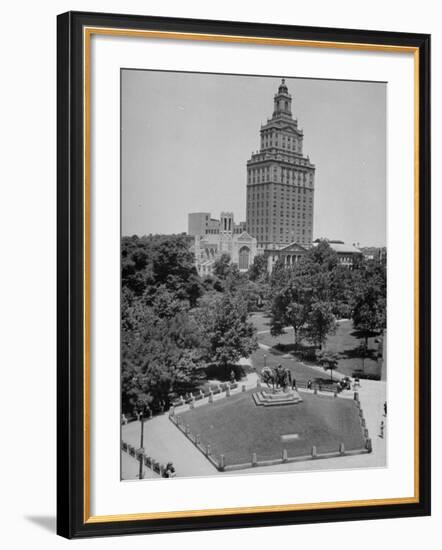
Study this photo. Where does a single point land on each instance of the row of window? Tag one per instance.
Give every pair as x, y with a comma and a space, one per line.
270, 139
299, 197
298, 201
263, 175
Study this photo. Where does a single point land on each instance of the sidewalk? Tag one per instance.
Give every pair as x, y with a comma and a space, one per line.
165, 443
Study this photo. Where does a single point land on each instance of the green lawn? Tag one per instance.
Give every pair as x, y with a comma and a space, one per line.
236, 427
261, 321
344, 342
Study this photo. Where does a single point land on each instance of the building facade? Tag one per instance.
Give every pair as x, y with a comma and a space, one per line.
280, 181
292, 253
213, 238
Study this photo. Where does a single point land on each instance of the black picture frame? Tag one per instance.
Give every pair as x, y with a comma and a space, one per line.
72, 520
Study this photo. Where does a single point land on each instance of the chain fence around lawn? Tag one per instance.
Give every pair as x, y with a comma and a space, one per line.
255, 461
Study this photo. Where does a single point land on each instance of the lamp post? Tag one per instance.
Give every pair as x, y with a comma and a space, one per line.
140, 410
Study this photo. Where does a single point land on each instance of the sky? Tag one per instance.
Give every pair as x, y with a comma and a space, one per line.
186, 139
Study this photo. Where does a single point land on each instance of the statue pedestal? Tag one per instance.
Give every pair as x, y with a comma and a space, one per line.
270, 398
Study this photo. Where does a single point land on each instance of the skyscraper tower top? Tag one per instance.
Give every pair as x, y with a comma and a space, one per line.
282, 101
280, 181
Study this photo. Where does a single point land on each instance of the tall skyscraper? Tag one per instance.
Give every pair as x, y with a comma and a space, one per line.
280, 181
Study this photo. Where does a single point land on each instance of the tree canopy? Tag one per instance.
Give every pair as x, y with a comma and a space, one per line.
311, 294
227, 335
174, 324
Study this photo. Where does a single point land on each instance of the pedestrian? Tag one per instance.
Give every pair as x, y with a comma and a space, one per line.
232, 376
385, 408
170, 470
381, 434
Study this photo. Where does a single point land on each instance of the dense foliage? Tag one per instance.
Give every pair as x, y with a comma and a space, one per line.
310, 295
174, 324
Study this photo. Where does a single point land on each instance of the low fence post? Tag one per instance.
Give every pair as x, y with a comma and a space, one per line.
284, 455
356, 396
222, 462
254, 459
314, 452
208, 450
227, 391
368, 445
197, 439
341, 449
211, 396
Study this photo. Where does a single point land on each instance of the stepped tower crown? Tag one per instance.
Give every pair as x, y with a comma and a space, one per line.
282, 101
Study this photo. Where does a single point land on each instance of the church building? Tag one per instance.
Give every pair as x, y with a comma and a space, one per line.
213, 238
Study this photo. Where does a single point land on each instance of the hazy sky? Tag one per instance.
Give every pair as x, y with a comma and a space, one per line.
186, 138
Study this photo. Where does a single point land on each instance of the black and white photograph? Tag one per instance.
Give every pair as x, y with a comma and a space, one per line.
253, 274
217, 299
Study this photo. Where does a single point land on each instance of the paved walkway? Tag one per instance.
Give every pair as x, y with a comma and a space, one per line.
164, 442
130, 468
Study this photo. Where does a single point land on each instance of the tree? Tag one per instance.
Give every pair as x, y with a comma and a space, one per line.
289, 308
221, 266
250, 293
166, 304
136, 267
328, 360
323, 255
320, 323
227, 335
369, 300
258, 269
160, 356
156, 260
280, 276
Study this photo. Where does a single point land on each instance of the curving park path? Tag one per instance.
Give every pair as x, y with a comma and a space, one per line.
166, 443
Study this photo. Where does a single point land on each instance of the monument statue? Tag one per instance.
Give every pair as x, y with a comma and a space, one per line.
277, 378
280, 392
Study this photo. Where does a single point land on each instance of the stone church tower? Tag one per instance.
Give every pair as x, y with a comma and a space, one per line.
280, 181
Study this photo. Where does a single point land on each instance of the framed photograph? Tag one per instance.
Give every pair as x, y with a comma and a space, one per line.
243, 274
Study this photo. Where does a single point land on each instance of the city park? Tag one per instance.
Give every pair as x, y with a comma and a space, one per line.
249, 372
